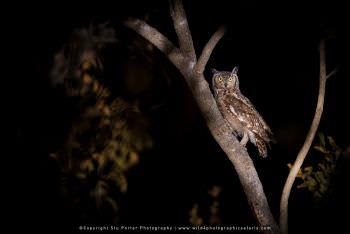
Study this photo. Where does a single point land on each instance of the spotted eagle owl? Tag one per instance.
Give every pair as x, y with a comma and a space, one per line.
239, 112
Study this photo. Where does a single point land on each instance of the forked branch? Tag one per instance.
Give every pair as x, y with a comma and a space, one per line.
184, 58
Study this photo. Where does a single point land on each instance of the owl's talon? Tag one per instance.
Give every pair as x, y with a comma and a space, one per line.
245, 139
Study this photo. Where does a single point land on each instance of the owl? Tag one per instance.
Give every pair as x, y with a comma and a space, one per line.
239, 112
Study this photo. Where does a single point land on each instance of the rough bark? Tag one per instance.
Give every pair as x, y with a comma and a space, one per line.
184, 59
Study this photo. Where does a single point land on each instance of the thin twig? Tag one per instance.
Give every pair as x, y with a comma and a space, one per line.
308, 141
208, 49
332, 73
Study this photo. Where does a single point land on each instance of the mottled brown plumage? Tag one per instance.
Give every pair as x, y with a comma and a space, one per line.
239, 112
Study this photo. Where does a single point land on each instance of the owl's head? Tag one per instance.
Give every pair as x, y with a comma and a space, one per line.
225, 79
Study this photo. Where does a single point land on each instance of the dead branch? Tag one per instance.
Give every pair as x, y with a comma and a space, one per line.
184, 59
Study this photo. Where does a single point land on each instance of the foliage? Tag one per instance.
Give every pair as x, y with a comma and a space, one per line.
317, 178
202, 214
106, 139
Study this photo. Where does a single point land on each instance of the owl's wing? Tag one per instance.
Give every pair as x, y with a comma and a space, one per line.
240, 107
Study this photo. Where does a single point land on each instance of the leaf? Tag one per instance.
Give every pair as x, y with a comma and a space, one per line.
322, 139
329, 158
195, 219
308, 170
53, 156
101, 161
87, 79
321, 149
300, 174
215, 191
100, 190
303, 185
81, 175
332, 143
338, 153
87, 165
311, 184
95, 86
321, 166
320, 177
323, 188
112, 203
121, 181
133, 159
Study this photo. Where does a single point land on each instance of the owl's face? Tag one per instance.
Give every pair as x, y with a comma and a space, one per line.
225, 80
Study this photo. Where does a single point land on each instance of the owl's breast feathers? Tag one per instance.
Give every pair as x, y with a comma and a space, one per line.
243, 117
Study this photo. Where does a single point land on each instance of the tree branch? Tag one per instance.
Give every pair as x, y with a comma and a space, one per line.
237, 154
208, 49
156, 38
218, 127
308, 141
182, 29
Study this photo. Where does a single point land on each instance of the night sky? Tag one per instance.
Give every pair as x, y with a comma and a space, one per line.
274, 44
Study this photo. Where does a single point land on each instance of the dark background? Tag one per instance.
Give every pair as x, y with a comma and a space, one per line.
276, 47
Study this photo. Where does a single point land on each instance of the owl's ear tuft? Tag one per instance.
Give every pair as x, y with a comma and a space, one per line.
235, 70
214, 71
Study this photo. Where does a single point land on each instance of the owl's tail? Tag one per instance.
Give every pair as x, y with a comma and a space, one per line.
261, 145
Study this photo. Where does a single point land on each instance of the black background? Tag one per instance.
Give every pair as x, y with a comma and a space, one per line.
275, 44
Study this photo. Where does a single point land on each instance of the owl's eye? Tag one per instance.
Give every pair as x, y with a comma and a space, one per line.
220, 78
230, 79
